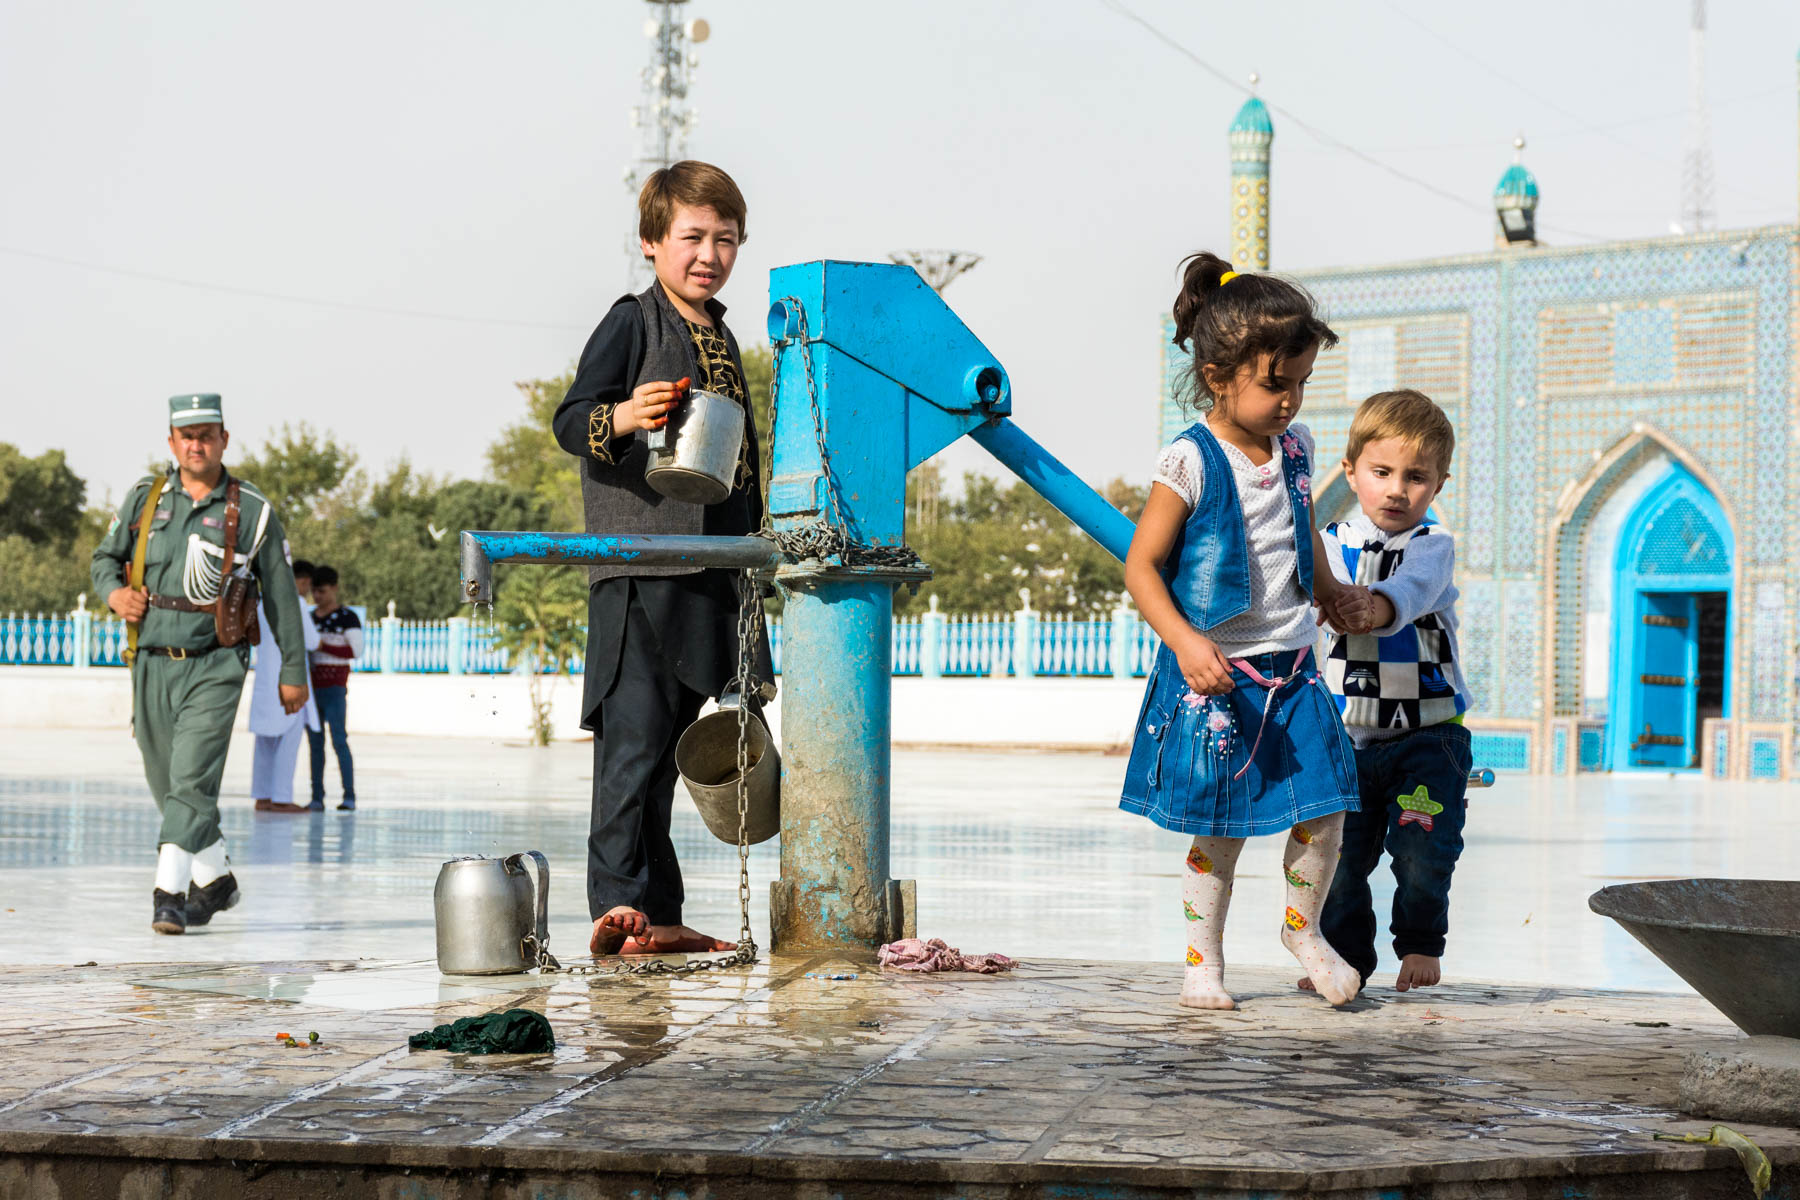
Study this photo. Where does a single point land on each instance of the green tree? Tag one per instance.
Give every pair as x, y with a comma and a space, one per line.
540, 619
47, 532
526, 455
759, 378
392, 538
997, 539
41, 499
298, 469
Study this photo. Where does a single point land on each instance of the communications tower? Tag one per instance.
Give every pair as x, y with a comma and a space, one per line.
1698, 212
662, 116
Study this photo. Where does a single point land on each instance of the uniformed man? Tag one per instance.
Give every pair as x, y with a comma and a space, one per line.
185, 686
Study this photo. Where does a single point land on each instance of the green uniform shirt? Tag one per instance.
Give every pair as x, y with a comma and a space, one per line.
168, 563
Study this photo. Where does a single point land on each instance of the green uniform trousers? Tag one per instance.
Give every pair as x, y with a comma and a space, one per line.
182, 711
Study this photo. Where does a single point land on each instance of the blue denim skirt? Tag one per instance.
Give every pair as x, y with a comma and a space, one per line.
1188, 768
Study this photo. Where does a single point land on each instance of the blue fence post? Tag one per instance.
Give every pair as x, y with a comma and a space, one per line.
1124, 629
84, 631
1025, 631
931, 641
390, 641
458, 645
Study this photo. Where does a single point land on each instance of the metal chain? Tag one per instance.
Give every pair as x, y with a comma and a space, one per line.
830, 537
749, 630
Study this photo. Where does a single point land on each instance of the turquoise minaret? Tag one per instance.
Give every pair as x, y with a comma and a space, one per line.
1251, 136
1515, 203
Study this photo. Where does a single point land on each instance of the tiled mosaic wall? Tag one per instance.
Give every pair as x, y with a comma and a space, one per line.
1549, 360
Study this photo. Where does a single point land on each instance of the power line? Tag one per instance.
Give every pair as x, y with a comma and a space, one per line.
1539, 137
1523, 87
282, 297
1320, 135
1586, 126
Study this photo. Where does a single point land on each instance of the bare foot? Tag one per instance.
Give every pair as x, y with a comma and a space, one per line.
611, 930
674, 939
1198, 990
1417, 970
1326, 970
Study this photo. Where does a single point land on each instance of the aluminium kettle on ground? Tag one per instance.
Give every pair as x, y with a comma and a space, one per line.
486, 910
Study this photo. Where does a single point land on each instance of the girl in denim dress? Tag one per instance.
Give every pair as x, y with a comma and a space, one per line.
1238, 735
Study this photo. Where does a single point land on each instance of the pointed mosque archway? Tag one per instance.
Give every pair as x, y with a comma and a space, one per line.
1565, 584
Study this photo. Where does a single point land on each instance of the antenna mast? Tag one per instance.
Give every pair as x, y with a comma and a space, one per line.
1697, 208
662, 116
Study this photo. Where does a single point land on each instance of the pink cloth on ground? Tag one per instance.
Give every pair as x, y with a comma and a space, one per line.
915, 954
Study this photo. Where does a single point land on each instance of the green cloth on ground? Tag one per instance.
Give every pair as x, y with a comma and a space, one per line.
515, 1031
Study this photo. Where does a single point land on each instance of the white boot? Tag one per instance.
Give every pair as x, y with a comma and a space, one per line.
174, 868
210, 863
215, 887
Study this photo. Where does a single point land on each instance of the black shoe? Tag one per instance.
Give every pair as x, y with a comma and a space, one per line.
349, 804
171, 913
215, 897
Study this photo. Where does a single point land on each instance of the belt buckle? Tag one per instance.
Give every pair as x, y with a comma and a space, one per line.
177, 654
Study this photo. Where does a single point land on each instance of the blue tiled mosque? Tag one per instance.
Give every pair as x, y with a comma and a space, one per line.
1626, 491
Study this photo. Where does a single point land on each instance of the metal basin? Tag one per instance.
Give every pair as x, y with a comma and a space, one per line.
1735, 941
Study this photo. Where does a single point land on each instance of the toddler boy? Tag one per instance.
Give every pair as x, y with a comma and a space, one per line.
1399, 685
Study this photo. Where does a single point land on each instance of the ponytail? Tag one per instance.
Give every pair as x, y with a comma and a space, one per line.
1200, 276
1228, 320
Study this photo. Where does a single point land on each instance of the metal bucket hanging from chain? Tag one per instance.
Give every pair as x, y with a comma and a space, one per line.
707, 757
694, 458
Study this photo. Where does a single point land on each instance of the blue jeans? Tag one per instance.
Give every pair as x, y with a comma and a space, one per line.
331, 715
1414, 801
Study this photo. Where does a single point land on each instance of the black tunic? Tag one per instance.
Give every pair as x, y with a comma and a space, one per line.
694, 615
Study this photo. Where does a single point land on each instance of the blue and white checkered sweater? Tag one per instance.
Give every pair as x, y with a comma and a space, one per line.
1409, 674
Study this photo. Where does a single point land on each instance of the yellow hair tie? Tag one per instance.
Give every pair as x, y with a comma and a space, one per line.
1227, 277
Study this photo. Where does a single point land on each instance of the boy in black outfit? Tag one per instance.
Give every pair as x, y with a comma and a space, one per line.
661, 640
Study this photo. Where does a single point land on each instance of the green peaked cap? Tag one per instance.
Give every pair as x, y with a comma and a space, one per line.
195, 408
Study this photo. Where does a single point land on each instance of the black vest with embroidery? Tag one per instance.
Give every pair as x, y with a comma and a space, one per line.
615, 497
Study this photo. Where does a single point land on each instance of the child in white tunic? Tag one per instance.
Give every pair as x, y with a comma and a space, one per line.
279, 734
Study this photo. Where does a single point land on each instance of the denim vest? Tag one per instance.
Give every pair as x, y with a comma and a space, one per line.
1208, 569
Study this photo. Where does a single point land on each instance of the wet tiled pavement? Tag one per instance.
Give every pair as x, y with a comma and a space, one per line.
1061, 1073
1025, 854
153, 1069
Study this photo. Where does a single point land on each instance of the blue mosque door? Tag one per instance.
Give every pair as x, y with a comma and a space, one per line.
1663, 727
1671, 645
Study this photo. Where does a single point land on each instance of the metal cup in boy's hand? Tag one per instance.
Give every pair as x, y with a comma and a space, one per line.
649, 406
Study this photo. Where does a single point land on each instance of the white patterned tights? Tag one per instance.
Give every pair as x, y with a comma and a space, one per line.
1308, 861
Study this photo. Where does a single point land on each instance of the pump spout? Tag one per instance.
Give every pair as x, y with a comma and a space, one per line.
482, 548
1056, 483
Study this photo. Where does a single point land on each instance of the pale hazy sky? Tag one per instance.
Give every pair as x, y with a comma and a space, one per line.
464, 159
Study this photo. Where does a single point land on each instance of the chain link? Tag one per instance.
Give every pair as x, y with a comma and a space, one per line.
817, 539
829, 537
749, 633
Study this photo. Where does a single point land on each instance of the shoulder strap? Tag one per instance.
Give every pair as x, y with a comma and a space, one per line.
136, 578
231, 528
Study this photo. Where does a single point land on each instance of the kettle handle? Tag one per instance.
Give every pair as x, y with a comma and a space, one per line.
540, 894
